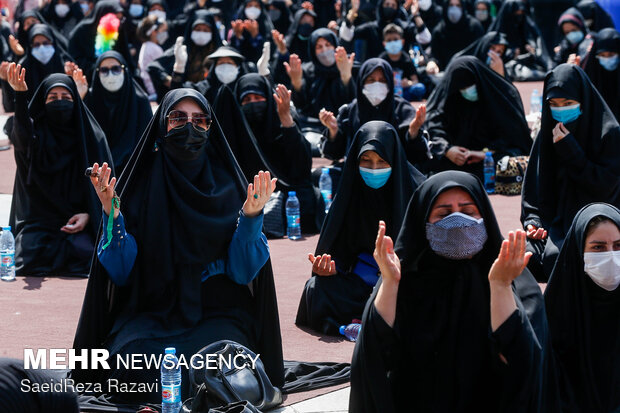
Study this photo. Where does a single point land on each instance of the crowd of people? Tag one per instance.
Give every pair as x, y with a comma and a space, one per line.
171, 228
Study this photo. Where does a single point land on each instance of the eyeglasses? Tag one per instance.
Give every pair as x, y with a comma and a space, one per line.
115, 70
178, 119
43, 43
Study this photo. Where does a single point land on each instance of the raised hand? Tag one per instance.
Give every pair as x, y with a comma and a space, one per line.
80, 81
432, 68
497, 65
4, 70
417, 122
70, 67
16, 76
323, 265
180, 55
511, 261
294, 71
104, 187
559, 132
252, 27
76, 223
536, 233
278, 39
328, 119
237, 27
15, 46
344, 64
457, 155
386, 258
282, 96
259, 193
307, 5
414, 7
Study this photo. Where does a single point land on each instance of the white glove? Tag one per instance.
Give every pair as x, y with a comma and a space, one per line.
263, 62
180, 55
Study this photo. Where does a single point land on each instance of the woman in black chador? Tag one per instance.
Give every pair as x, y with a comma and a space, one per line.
583, 306
574, 161
457, 322
186, 263
54, 213
601, 66
376, 183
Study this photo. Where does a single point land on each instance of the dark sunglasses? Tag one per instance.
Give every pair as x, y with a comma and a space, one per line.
178, 119
115, 70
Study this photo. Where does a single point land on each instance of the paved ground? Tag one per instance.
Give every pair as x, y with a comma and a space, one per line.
43, 312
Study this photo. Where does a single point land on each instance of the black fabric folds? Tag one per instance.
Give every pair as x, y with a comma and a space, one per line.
606, 82
583, 321
123, 115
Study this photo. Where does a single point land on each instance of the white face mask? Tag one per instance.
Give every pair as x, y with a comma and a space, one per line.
61, 10
226, 73
160, 14
162, 37
43, 53
425, 4
375, 92
201, 38
603, 268
252, 12
112, 83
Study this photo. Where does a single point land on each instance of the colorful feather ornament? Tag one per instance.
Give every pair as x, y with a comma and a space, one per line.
107, 33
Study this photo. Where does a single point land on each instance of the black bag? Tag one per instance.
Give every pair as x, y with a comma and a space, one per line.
273, 220
226, 384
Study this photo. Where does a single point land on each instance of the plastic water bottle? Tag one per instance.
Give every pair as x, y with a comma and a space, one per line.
7, 255
351, 332
417, 55
535, 102
489, 173
170, 382
293, 229
325, 185
398, 82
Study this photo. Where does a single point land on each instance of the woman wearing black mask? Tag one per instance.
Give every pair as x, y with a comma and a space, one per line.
574, 161
280, 15
263, 135
187, 263
583, 306
376, 183
54, 214
120, 106
456, 31
601, 66
456, 311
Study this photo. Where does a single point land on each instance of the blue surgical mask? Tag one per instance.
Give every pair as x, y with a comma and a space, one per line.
375, 178
457, 236
136, 10
470, 93
575, 37
454, 14
566, 114
43, 53
394, 47
609, 63
85, 8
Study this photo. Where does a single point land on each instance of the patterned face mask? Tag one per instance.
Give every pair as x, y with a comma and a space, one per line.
457, 236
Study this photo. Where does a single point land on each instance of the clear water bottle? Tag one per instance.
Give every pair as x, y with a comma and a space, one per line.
398, 82
7, 255
351, 332
416, 56
535, 102
170, 382
489, 173
325, 186
293, 228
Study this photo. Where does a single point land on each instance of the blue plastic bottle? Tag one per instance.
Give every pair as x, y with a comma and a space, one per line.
7, 255
535, 101
170, 382
293, 228
398, 82
489, 173
325, 185
351, 332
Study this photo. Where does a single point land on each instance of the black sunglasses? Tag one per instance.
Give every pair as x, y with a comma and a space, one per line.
115, 70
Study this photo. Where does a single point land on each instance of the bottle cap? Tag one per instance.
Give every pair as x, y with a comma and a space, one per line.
8, 228
292, 193
170, 350
325, 171
342, 328
489, 153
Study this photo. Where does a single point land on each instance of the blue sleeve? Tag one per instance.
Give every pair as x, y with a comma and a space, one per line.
119, 256
248, 251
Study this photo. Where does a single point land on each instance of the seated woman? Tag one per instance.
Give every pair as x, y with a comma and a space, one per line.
574, 161
263, 135
375, 101
583, 306
183, 62
376, 183
490, 49
527, 57
54, 214
601, 66
596, 17
325, 81
456, 311
251, 29
120, 106
577, 40
472, 110
186, 264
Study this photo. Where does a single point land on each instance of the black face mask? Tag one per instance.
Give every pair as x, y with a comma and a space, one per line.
185, 143
254, 111
519, 18
389, 13
305, 30
59, 112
